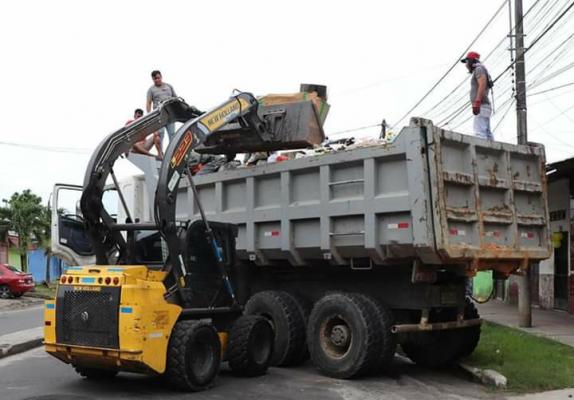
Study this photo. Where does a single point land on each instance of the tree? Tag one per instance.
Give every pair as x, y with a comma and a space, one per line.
43, 234
24, 214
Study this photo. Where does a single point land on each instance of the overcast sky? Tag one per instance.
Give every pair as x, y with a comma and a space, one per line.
74, 71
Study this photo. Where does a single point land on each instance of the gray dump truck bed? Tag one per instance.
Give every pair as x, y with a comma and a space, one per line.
432, 195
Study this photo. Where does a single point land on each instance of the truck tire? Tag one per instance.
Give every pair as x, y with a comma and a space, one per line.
95, 374
343, 336
432, 349
250, 345
388, 339
288, 323
441, 348
471, 335
304, 307
193, 356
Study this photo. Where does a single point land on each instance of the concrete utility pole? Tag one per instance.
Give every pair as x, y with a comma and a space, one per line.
524, 305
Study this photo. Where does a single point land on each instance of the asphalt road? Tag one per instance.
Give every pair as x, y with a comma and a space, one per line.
36, 376
14, 321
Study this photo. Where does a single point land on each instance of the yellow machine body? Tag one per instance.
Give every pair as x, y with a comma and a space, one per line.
145, 318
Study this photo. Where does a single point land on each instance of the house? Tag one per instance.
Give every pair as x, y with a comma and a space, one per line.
9, 249
555, 276
9, 254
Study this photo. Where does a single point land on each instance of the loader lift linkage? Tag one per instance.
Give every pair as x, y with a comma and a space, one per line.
105, 232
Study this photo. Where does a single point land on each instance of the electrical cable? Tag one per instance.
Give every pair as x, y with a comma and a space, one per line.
354, 129
538, 38
551, 89
68, 150
455, 114
532, 7
453, 66
504, 115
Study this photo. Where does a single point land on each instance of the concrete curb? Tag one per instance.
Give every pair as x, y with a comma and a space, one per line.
19, 342
487, 377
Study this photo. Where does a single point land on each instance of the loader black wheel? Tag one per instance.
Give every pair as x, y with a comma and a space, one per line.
287, 319
388, 339
250, 345
95, 374
193, 356
343, 336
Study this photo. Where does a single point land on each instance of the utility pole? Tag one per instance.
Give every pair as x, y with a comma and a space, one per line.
524, 305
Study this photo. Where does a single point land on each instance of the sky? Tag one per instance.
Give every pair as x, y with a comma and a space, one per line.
74, 71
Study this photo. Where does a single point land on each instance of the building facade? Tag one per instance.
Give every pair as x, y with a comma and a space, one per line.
556, 275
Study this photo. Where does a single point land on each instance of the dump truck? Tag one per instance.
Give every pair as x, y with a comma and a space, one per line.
350, 254
377, 244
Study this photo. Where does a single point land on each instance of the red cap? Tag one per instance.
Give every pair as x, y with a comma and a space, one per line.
471, 55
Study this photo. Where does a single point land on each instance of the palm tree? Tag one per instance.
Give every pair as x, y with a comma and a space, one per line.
25, 214
43, 234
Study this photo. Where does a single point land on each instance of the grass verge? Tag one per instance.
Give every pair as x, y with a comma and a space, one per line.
530, 363
43, 292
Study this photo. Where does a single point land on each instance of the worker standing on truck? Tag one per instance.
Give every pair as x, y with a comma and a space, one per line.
480, 84
157, 93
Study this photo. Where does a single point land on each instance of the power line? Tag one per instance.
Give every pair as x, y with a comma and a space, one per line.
538, 38
552, 62
455, 114
463, 81
353, 129
501, 42
553, 75
68, 150
504, 115
453, 66
551, 89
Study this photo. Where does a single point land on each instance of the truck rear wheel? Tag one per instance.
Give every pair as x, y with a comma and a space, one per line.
287, 319
250, 345
471, 335
194, 356
388, 339
304, 306
442, 348
343, 336
95, 374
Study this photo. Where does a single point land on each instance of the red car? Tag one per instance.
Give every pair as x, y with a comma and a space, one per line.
13, 282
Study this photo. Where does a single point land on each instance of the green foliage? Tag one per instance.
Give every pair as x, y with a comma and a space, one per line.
529, 362
25, 214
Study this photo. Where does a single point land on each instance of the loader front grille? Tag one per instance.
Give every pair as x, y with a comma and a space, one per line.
88, 316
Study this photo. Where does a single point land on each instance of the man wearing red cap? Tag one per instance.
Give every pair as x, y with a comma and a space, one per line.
480, 84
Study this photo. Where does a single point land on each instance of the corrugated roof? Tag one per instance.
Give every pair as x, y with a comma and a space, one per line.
560, 169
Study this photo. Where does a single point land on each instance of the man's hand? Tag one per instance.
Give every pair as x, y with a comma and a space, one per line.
476, 107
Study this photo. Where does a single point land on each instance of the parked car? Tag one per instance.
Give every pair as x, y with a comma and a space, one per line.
13, 282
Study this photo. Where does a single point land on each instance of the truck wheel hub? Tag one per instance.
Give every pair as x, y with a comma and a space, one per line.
340, 335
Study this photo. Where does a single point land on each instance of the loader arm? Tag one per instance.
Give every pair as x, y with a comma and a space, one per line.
241, 108
99, 224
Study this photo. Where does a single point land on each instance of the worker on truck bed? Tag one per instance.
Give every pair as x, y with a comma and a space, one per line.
157, 93
480, 83
144, 146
